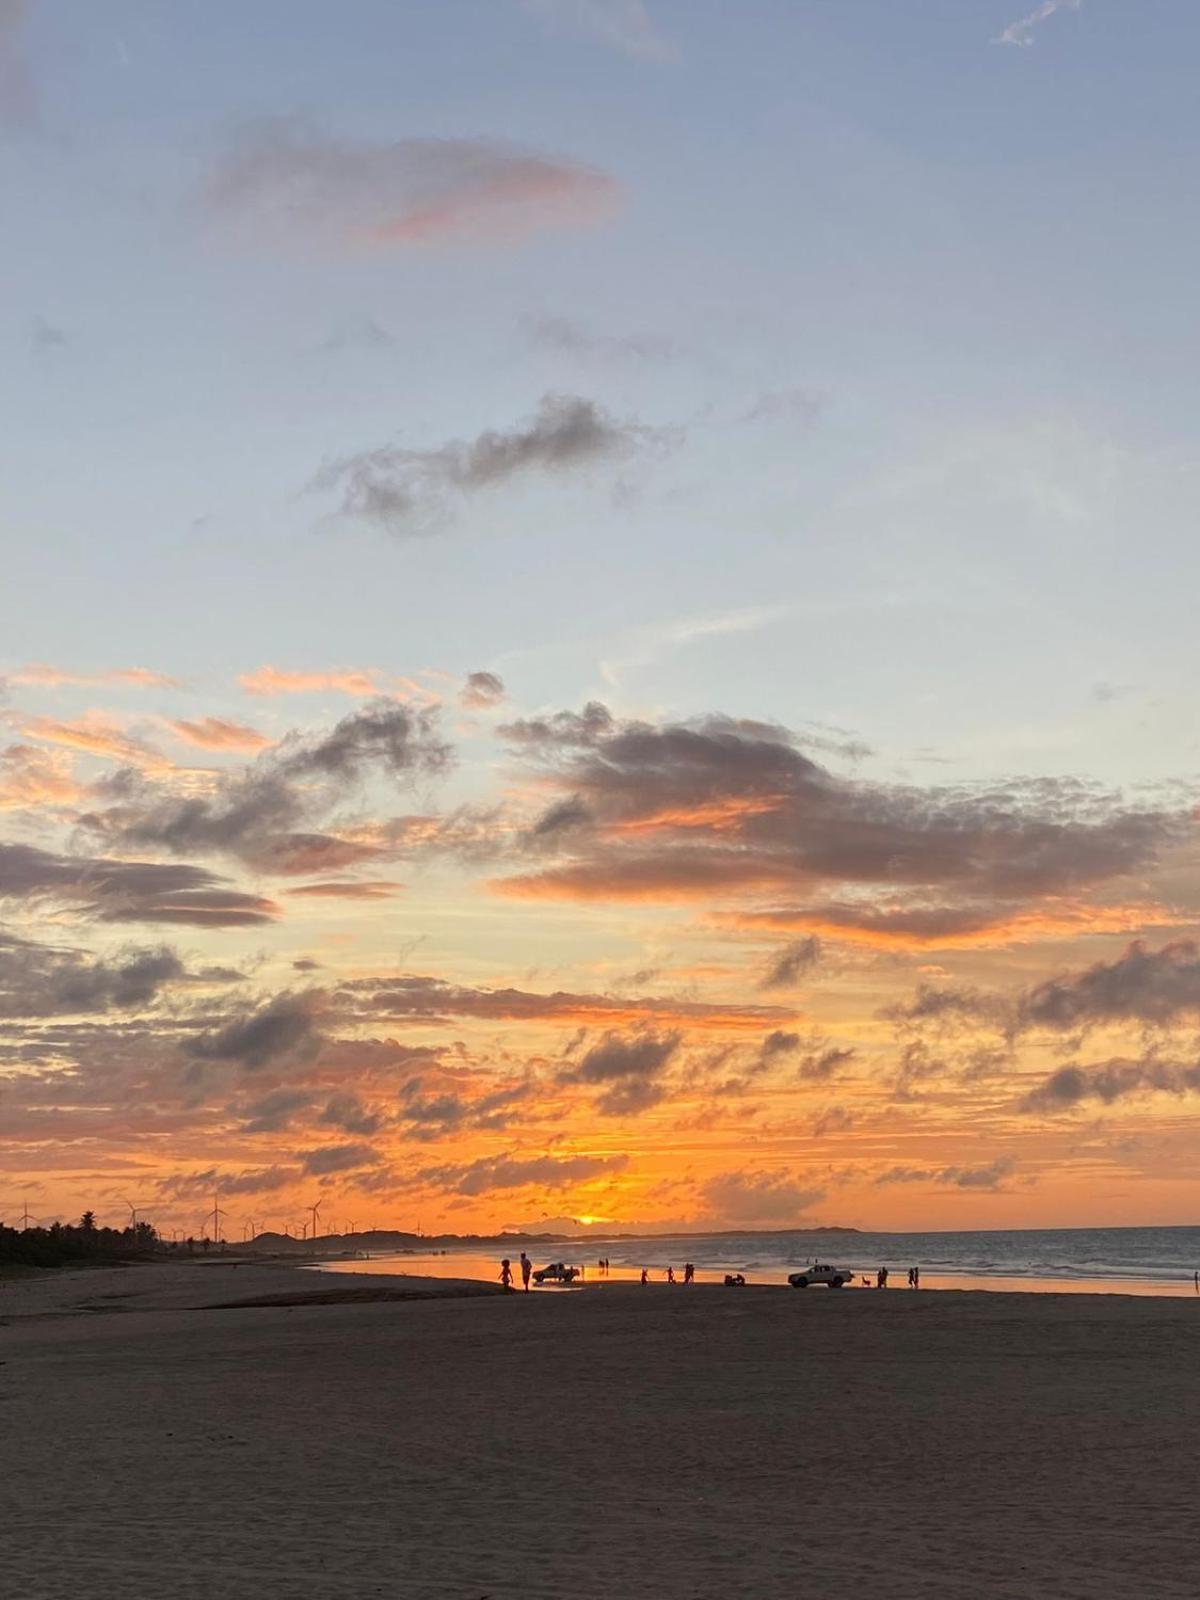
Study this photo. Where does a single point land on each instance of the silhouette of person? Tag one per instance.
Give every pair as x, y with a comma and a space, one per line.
670, 1274
645, 1276
689, 1272
526, 1270
506, 1275
881, 1278
916, 1277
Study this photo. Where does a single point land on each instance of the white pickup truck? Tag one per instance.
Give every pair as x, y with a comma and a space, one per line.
821, 1272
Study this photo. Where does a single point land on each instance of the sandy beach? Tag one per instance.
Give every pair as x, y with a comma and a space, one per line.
158, 1441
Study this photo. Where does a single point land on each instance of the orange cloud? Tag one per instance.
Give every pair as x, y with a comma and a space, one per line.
94, 734
360, 682
348, 891
717, 816
211, 733
680, 875
938, 928
505, 204
32, 777
48, 677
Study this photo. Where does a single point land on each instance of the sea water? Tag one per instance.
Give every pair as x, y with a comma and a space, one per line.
1063, 1260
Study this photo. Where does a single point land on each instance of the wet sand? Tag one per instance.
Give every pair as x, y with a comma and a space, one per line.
621, 1443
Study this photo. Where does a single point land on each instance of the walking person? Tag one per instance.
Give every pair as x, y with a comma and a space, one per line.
881, 1278
689, 1272
670, 1274
526, 1270
506, 1275
645, 1276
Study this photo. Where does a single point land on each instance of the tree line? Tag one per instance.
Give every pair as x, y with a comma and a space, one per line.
81, 1243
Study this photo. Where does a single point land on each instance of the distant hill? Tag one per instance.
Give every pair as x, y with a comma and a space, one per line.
392, 1240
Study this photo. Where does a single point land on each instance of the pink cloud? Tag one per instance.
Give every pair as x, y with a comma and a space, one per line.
283, 178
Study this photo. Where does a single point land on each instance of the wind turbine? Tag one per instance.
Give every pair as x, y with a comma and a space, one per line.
314, 1210
217, 1214
133, 1214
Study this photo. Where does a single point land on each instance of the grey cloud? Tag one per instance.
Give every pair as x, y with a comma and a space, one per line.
257, 814
989, 1176
492, 1173
1148, 986
637, 1056
629, 1097
347, 1112
785, 405
128, 891
482, 690
274, 1111
433, 1116
778, 1043
284, 1026
338, 1158
746, 1198
833, 1119
560, 817
37, 981
1109, 1081
629, 1068
434, 998
822, 1061
790, 964
721, 804
413, 491
44, 337
569, 338
203, 1185
284, 180
940, 1006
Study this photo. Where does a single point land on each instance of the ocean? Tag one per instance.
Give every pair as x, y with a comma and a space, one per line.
1063, 1260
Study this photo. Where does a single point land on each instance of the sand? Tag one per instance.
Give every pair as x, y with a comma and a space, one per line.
620, 1442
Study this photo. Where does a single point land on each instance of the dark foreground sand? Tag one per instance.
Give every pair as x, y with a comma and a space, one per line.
616, 1443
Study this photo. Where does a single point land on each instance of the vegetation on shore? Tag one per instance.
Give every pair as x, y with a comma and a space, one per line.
79, 1243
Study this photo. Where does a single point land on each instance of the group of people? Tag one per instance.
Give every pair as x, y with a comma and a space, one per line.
506, 1273
525, 1265
881, 1278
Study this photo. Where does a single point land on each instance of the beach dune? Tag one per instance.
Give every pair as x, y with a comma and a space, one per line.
618, 1442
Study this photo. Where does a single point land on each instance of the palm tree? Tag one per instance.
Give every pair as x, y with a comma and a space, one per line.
88, 1222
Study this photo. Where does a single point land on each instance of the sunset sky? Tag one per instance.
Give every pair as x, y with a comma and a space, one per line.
599, 612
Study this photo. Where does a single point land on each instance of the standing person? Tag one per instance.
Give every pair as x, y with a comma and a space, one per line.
911, 1283
526, 1270
670, 1274
645, 1276
506, 1275
689, 1272
881, 1278
916, 1277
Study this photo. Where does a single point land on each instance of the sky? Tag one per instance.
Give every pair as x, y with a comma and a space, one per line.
598, 615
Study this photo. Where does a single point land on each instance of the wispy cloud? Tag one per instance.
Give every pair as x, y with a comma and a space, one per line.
624, 25
1022, 33
409, 492
44, 676
561, 335
215, 733
18, 102
283, 179
360, 683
